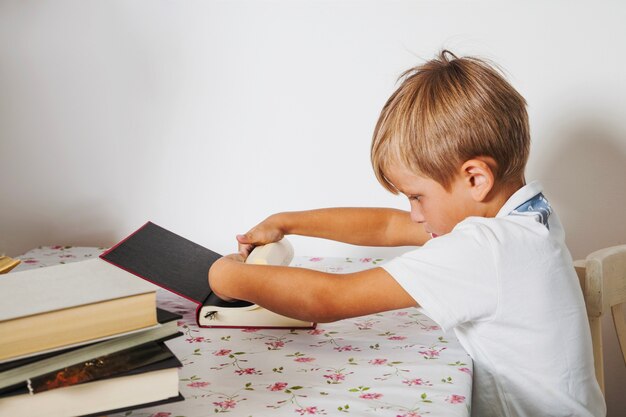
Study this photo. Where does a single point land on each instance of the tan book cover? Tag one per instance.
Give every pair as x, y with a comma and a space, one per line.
61, 305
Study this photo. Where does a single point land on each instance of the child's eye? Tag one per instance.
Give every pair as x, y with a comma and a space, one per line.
415, 197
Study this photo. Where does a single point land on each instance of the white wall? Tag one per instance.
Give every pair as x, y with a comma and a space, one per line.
207, 116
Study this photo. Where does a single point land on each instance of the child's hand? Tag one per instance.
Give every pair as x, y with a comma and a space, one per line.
268, 231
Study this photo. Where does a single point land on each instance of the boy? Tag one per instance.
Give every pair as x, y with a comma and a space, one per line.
493, 266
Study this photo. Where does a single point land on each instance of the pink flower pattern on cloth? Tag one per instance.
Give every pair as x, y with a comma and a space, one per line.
397, 364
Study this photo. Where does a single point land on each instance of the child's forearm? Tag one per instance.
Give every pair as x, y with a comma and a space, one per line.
293, 292
308, 294
357, 226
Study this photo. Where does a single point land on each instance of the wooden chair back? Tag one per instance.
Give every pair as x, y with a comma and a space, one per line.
602, 278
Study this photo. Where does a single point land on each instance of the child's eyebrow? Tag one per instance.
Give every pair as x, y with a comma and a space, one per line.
405, 193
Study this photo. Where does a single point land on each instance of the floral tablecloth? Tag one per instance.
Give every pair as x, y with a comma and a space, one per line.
397, 364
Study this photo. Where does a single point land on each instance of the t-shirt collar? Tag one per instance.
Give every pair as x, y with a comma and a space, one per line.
518, 198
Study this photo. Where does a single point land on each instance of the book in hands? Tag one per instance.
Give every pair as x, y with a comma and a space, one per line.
182, 267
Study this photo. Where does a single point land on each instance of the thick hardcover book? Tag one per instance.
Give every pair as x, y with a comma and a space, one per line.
101, 367
182, 267
17, 373
63, 305
138, 387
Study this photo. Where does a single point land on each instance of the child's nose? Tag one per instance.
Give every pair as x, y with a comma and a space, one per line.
417, 217
416, 214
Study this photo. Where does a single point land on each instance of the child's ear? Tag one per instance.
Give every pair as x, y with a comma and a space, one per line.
478, 176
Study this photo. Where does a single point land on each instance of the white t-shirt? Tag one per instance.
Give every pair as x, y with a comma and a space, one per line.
508, 288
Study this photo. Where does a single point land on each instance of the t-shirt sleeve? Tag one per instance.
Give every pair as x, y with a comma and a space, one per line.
452, 277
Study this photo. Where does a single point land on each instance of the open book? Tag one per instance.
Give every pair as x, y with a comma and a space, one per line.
182, 266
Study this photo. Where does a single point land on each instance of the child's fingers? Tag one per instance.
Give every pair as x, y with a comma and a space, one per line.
246, 243
245, 250
243, 238
256, 237
246, 240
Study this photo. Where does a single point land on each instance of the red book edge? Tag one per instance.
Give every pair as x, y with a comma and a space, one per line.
197, 302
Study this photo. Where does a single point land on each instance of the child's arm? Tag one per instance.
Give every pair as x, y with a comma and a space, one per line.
358, 226
307, 294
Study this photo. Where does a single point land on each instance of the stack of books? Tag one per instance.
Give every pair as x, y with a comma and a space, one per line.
82, 339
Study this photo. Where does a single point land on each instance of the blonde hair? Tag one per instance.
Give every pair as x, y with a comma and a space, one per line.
447, 111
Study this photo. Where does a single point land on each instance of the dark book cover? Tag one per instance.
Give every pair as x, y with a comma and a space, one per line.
170, 362
102, 367
171, 262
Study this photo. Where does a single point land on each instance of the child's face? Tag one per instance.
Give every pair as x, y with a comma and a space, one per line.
432, 205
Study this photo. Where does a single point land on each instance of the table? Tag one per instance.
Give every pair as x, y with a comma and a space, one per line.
397, 363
